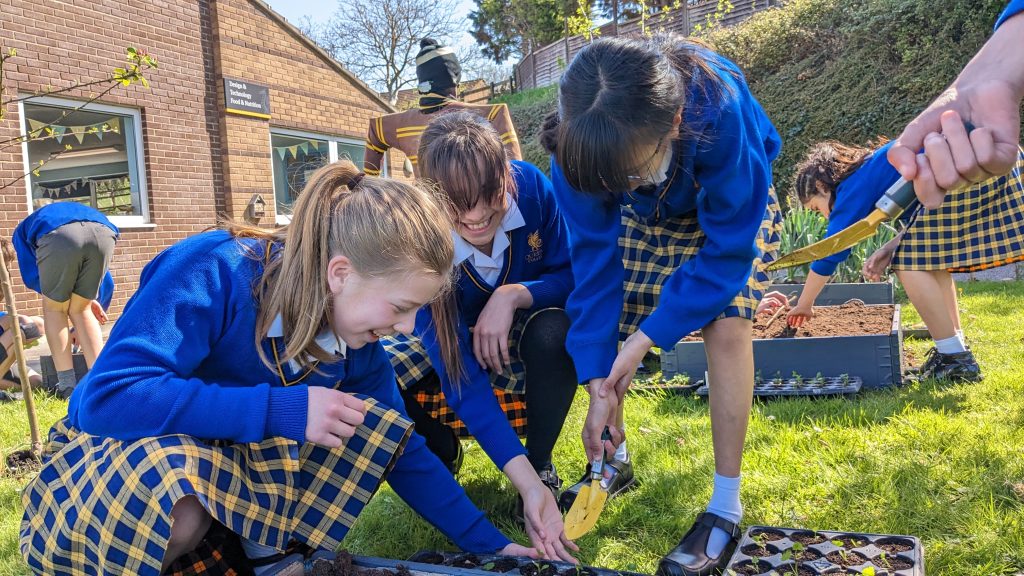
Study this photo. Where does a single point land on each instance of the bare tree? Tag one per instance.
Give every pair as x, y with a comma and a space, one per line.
378, 39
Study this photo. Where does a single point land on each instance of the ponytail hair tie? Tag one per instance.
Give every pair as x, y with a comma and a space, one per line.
356, 180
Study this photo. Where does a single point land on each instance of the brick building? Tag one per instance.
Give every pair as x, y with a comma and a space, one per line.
165, 161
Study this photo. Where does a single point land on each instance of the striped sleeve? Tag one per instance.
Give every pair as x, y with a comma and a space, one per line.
500, 118
376, 147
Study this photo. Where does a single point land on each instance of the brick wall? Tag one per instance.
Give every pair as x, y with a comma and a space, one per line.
62, 43
199, 161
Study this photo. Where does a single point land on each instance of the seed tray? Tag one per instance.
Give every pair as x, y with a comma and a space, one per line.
779, 387
762, 551
487, 564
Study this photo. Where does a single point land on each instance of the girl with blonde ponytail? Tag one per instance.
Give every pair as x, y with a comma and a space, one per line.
244, 398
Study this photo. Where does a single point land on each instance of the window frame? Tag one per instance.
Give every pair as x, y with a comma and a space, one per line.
332, 156
133, 221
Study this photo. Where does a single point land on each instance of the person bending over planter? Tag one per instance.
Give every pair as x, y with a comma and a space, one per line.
661, 166
510, 247
244, 389
977, 227
64, 251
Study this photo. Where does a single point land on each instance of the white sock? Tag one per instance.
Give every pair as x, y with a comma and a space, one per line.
725, 502
621, 454
963, 341
951, 345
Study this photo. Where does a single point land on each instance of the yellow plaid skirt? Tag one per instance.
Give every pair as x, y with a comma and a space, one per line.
976, 228
102, 506
651, 251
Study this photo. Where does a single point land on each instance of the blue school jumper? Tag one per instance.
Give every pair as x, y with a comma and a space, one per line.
183, 360
723, 172
538, 258
1012, 9
45, 220
855, 199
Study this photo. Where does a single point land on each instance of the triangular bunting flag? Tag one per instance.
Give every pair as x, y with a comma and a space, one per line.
281, 151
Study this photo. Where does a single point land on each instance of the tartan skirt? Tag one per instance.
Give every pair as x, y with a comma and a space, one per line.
653, 250
102, 506
978, 227
411, 363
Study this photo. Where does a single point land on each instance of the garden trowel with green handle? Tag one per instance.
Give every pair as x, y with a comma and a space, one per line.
589, 503
896, 199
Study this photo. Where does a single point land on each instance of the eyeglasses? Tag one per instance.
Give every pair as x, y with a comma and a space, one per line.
649, 179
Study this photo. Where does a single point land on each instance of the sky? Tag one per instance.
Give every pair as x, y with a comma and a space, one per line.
321, 10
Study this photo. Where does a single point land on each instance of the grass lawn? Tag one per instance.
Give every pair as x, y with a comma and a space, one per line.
939, 462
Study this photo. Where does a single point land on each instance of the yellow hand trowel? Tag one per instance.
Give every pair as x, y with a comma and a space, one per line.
896, 199
589, 503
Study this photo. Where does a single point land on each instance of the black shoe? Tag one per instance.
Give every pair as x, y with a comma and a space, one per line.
957, 367
931, 358
690, 558
620, 482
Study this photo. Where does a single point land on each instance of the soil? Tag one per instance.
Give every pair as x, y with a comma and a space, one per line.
807, 538
892, 562
850, 559
768, 535
851, 319
501, 565
750, 568
539, 569
894, 545
21, 462
430, 558
464, 561
807, 554
342, 566
577, 572
787, 570
757, 551
849, 541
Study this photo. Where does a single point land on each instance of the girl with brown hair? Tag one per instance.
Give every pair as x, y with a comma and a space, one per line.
244, 391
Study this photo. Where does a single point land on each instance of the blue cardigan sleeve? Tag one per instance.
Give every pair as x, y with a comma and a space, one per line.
595, 303
1012, 9
473, 401
554, 284
183, 306
734, 171
423, 482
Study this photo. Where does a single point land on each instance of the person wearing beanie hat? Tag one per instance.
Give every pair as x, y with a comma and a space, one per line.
438, 72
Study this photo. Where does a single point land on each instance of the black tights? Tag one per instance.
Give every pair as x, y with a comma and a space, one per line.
550, 387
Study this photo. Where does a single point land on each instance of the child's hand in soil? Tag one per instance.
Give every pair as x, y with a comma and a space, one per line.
544, 525
332, 416
517, 550
799, 314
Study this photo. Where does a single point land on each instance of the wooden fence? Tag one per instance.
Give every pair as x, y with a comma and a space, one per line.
543, 67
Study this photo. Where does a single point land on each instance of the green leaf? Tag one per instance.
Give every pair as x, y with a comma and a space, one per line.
132, 52
144, 81
12, 52
787, 555
869, 571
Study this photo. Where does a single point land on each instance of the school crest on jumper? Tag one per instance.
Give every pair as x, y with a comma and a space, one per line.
536, 247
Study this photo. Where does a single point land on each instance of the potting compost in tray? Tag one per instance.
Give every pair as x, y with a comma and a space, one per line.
480, 564
765, 550
800, 386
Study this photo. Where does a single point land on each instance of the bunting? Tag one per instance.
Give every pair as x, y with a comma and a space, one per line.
39, 130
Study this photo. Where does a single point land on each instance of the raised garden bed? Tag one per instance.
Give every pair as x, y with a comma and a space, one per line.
766, 550
800, 386
859, 340
835, 294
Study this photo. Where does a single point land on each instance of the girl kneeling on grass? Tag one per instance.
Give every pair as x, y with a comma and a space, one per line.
510, 245
244, 387
977, 227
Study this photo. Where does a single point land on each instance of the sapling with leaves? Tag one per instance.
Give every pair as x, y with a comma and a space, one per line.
798, 379
794, 553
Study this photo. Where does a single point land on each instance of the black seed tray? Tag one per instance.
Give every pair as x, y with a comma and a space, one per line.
822, 554
772, 388
485, 564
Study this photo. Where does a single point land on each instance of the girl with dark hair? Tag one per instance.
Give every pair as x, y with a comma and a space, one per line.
661, 165
510, 246
243, 395
977, 227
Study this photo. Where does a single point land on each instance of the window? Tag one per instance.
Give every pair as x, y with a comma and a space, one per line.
91, 155
296, 155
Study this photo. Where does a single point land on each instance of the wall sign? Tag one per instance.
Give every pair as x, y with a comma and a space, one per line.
244, 97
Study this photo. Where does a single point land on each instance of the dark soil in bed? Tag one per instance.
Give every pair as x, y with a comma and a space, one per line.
851, 319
